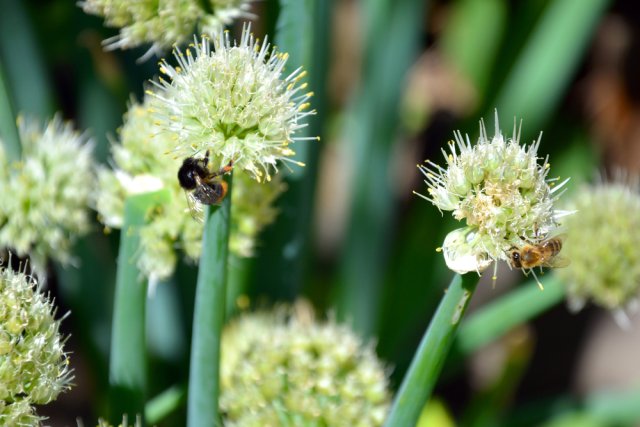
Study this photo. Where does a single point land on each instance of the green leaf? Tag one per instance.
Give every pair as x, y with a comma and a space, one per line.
8, 130
548, 61
303, 31
371, 130
164, 404
22, 62
472, 45
499, 317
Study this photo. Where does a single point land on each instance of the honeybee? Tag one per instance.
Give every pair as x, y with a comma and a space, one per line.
201, 185
542, 254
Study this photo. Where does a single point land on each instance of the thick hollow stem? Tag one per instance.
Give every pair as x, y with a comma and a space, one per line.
128, 362
208, 318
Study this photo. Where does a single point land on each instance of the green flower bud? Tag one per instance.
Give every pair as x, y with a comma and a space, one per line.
285, 369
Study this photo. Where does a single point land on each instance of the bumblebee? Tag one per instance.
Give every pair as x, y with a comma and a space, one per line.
201, 185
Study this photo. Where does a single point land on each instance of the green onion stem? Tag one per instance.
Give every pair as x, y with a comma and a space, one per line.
427, 363
128, 363
208, 317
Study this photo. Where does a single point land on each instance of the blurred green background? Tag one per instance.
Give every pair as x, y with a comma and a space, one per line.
392, 79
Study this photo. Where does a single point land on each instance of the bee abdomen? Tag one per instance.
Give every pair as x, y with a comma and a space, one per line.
553, 245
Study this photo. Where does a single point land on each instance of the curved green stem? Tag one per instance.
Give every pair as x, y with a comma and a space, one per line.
427, 363
208, 318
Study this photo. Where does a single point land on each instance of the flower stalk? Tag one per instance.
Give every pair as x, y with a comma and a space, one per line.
208, 317
427, 363
128, 365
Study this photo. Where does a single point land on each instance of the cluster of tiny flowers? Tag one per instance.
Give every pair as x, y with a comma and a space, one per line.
602, 243
498, 188
46, 194
34, 368
285, 369
165, 23
234, 102
19, 413
143, 163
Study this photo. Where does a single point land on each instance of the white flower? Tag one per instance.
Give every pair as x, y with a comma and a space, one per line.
164, 23
286, 369
501, 192
34, 369
46, 194
234, 102
602, 244
142, 163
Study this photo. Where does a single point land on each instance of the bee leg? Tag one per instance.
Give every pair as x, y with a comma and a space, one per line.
224, 170
537, 281
206, 158
494, 278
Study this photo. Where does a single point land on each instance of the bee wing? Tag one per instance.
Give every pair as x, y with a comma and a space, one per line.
557, 234
558, 261
195, 208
